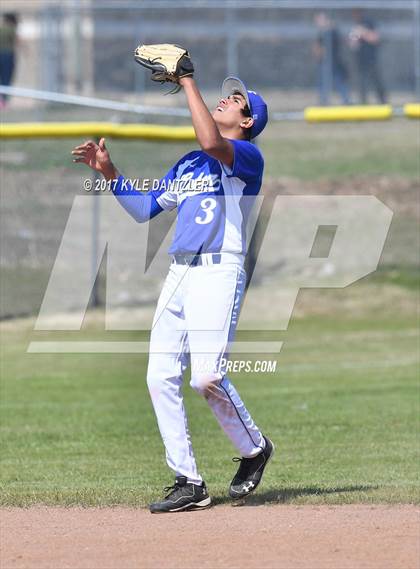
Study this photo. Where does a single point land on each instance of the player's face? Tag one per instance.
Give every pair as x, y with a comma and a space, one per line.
229, 111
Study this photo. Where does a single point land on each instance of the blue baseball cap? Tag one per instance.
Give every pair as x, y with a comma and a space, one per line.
256, 103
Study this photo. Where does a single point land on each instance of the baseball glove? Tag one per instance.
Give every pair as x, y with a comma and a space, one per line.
168, 62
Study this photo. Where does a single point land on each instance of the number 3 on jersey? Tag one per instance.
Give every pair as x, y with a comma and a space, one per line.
207, 205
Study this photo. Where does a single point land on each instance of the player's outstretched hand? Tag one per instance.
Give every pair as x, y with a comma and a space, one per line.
96, 156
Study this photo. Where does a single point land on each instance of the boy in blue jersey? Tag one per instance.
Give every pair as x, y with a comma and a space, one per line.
213, 189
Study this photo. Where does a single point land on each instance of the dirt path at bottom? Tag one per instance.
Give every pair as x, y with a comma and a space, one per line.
263, 537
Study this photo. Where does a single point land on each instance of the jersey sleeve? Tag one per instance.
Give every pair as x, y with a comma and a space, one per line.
141, 206
248, 163
166, 194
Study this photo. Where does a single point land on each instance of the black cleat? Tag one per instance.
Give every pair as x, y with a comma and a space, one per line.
183, 495
250, 472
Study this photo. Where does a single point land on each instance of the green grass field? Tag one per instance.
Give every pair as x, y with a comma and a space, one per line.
342, 407
302, 151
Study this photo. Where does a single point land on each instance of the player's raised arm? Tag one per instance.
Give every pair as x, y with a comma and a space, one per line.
141, 207
208, 134
231, 120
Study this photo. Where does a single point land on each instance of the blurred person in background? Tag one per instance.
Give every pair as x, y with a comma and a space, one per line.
332, 73
365, 41
8, 43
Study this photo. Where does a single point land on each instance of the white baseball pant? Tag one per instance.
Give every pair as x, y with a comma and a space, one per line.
195, 322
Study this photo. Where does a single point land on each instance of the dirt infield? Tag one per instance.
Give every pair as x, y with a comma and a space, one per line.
288, 537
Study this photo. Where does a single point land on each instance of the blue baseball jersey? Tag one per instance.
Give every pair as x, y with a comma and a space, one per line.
213, 201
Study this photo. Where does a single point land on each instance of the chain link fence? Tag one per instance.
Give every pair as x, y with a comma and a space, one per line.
85, 47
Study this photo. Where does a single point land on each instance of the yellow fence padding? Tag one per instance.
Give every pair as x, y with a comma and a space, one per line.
96, 129
412, 110
186, 133
348, 113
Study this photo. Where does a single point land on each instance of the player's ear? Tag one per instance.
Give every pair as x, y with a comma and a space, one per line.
247, 122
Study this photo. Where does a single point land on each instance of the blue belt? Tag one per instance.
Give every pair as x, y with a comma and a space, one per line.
196, 260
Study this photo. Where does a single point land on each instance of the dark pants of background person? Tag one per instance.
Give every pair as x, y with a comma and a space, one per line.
7, 67
336, 80
369, 76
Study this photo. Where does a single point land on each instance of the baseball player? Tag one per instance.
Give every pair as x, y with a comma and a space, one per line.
199, 304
